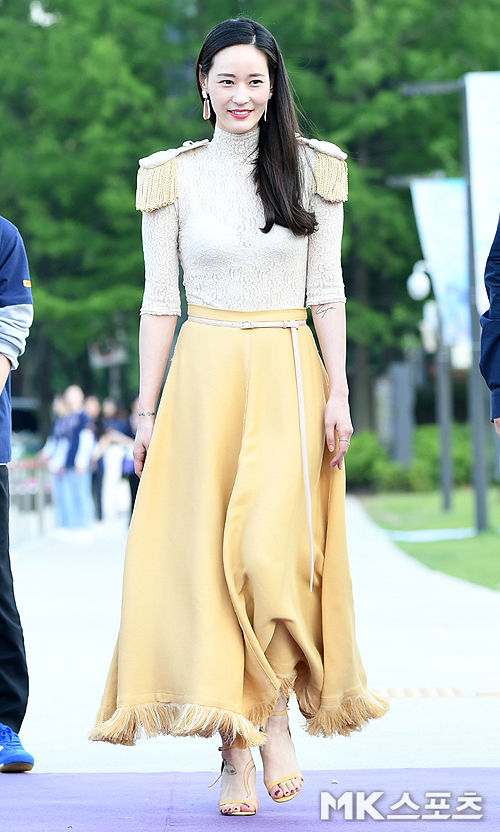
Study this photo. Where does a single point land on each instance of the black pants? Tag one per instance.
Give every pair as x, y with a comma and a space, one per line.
13, 670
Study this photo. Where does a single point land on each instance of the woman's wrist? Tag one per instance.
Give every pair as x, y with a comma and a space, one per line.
339, 389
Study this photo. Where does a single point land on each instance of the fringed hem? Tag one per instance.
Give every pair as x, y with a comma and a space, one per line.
126, 725
199, 721
259, 714
351, 715
287, 685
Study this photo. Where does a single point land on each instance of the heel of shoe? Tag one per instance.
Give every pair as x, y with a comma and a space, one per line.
232, 770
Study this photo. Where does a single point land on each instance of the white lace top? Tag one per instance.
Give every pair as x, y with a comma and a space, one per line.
213, 228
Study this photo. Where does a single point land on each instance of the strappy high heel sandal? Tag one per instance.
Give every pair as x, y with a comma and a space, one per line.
270, 786
231, 770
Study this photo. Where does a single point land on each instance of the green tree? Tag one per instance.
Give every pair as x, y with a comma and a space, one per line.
112, 80
348, 67
74, 111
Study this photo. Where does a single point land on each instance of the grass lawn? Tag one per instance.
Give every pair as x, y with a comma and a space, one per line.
474, 559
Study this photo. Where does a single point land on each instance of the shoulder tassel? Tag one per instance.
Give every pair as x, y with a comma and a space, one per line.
157, 187
330, 178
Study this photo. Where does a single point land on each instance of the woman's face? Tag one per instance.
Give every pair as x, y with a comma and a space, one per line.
238, 85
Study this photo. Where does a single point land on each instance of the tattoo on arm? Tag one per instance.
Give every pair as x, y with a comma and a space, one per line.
323, 308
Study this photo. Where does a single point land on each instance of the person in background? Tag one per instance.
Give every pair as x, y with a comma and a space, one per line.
93, 410
489, 363
110, 450
126, 438
76, 485
54, 454
16, 316
113, 417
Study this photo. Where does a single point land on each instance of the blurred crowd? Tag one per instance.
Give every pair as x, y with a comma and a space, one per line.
89, 455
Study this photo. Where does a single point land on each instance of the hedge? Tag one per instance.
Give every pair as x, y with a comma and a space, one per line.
369, 466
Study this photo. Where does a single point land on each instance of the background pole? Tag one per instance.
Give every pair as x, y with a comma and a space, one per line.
477, 413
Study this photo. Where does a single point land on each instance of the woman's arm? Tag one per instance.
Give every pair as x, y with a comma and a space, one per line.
329, 320
156, 334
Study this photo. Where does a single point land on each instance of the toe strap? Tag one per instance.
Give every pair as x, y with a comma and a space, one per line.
270, 786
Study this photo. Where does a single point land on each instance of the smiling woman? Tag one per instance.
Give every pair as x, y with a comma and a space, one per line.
237, 590
238, 87
257, 94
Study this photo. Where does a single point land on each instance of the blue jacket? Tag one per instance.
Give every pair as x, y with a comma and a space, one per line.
489, 363
16, 315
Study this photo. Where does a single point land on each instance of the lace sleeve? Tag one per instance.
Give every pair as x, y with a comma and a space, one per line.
324, 271
161, 259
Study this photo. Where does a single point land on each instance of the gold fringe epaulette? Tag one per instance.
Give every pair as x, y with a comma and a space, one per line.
157, 182
330, 169
157, 187
330, 178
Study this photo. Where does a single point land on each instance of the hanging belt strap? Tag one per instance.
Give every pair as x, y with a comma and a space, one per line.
293, 327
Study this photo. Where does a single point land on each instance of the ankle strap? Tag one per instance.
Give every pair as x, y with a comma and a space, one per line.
279, 713
227, 747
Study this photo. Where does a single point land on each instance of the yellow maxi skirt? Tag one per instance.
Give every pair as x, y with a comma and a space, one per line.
218, 618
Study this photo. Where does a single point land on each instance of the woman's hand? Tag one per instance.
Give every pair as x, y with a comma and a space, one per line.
338, 421
142, 442
329, 319
156, 333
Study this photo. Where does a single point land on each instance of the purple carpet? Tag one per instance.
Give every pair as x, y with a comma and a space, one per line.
181, 801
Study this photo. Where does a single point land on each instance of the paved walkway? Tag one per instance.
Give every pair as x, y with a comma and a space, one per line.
181, 801
429, 640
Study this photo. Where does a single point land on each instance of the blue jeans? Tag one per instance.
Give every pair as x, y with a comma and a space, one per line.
73, 497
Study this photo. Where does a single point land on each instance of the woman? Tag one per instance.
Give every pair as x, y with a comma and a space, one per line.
237, 588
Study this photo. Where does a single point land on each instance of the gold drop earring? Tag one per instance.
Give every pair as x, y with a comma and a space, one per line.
206, 105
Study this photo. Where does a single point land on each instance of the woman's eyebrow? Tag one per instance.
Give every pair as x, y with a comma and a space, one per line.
250, 75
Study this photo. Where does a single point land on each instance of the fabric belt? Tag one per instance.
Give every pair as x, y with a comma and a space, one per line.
293, 327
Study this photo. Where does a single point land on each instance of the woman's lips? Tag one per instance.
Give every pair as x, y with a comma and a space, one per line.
240, 113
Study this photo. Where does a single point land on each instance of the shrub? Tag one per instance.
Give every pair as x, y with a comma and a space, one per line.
364, 452
369, 466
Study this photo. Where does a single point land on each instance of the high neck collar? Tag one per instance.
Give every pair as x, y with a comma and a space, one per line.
235, 144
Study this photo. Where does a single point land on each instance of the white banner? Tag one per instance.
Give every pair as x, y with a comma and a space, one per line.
440, 207
483, 122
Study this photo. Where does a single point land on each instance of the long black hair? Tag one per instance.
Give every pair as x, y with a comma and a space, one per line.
277, 174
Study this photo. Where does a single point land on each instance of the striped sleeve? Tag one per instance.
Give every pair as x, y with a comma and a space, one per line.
16, 302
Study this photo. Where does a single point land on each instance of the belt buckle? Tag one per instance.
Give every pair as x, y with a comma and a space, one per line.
246, 325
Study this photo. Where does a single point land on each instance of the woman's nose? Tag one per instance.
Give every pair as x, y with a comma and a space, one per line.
240, 95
